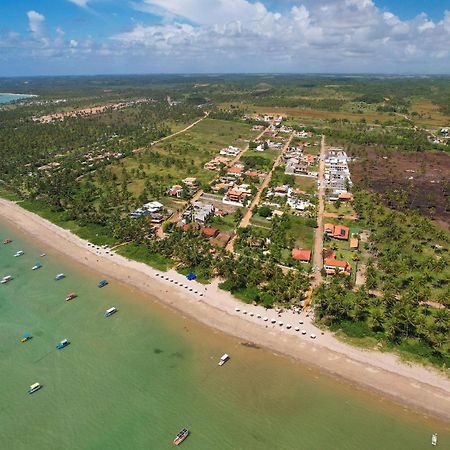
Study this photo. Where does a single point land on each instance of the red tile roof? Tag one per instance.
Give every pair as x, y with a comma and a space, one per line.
336, 263
341, 232
300, 254
209, 232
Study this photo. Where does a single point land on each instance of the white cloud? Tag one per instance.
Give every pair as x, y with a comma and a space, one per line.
80, 3
250, 35
36, 22
334, 35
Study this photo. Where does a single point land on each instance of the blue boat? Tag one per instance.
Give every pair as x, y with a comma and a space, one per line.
64, 343
37, 265
102, 283
60, 276
26, 337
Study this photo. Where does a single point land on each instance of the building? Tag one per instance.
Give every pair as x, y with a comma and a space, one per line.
210, 232
354, 243
175, 191
332, 266
235, 196
230, 151
346, 197
200, 213
153, 207
337, 231
236, 171
302, 255
191, 183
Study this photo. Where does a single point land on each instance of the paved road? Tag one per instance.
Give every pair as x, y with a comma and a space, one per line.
318, 237
255, 202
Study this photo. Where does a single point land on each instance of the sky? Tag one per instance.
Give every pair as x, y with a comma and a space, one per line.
77, 37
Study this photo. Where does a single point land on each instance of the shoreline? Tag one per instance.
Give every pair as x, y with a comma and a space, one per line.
420, 388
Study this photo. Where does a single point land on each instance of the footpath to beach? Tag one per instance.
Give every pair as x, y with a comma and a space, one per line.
423, 389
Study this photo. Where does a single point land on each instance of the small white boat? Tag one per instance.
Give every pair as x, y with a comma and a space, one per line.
19, 253
6, 279
434, 439
42, 255
60, 276
34, 387
224, 358
110, 311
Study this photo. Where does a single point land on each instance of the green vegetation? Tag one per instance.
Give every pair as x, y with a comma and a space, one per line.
409, 267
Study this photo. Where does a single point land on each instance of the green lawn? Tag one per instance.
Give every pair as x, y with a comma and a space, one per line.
95, 234
184, 155
345, 208
307, 184
143, 254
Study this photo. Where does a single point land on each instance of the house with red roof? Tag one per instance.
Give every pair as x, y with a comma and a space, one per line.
300, 254
333, 266
337, 231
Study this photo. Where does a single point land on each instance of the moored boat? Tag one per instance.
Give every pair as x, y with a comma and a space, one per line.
7, 241
42, 255
6, 279
60, 276
110, 311
102, 283
37, 265
64, 343
434, 439
26, 337
181, 436
223, 359
71, 296
34, 387
19, 253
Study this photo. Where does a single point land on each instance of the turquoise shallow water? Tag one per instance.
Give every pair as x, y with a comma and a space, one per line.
133, 380
6, 98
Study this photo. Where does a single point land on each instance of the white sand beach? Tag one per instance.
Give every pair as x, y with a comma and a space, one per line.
420, 388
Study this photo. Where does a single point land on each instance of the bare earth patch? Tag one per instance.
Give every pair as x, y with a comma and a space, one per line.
406, 180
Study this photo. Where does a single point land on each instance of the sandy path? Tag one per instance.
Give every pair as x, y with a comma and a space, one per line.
421, 388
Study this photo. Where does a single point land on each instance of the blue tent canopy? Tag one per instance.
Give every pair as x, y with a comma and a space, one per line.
191, 276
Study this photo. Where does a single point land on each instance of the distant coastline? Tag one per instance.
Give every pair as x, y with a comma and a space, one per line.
8, 97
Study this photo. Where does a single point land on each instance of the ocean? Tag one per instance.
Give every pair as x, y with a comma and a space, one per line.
7, 98
133, 380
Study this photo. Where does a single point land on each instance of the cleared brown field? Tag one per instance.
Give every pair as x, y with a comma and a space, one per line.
406, 180
429, 114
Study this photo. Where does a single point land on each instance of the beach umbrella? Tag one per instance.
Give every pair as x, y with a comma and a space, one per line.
297, 329
237, 309
265, 319
259, 316
273, 321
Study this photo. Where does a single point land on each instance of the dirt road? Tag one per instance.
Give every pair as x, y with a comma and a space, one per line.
318, 237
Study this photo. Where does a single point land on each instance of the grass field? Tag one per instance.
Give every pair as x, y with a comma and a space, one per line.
429, 114
184, 155
345, 208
